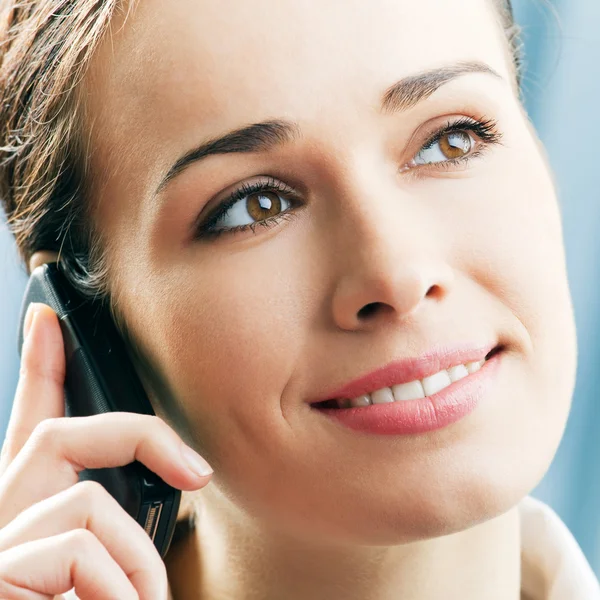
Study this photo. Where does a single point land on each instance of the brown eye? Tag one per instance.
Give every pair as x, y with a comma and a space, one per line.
248, 209
456, 144
452, 145
262, 205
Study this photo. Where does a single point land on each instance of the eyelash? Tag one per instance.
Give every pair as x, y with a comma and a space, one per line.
270, 185
485, 129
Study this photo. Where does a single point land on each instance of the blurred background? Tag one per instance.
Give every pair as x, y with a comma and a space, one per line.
562, 90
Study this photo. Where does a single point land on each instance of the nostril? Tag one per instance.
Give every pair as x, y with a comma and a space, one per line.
368, 310
434, 291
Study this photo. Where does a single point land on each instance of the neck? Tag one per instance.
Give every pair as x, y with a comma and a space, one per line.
226, 557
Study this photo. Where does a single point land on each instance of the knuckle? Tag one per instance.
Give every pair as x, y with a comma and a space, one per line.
89, 494
154, 421
47, 432
151, 427
145, 424
81, 541
163, 428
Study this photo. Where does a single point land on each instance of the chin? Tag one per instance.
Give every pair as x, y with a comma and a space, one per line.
407, 513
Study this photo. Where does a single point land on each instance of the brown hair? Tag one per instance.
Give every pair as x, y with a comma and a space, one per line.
45, 179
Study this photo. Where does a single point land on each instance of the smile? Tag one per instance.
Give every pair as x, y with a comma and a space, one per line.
413, 390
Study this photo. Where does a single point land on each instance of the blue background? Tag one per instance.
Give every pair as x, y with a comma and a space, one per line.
562, 94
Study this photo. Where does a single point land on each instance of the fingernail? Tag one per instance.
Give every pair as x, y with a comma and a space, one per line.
31, 310
195, 462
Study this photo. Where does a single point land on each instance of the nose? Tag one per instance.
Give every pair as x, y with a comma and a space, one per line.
365, 299
390, 261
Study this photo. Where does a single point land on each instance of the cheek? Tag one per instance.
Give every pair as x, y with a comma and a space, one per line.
519, 263
228, 336
524, 259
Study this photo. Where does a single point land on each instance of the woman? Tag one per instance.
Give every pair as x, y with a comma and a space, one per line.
278, 199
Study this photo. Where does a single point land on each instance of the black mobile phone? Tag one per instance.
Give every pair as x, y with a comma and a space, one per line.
100, 377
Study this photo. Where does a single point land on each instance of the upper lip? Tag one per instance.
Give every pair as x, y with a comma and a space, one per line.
409, 369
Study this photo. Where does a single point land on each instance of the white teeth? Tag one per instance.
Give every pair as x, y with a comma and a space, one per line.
414, 389
474, 366
435, 383
408, 391
383, 396
363, 400
457, 372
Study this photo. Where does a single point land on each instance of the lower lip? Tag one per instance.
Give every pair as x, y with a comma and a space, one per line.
448, 406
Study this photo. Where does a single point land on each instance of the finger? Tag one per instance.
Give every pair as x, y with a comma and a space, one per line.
55, 565
40, 387
40, 257
88, 505
59, 449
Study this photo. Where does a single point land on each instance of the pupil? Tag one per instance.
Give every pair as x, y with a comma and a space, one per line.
262, 205
456, 144
265, 202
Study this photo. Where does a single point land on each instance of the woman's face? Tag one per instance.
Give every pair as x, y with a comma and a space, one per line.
243, 329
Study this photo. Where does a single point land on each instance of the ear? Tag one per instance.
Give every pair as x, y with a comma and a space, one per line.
41, 257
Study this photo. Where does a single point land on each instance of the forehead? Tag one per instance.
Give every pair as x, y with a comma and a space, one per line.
174, 73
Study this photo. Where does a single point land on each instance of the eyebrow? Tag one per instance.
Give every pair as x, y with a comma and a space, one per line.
266, 135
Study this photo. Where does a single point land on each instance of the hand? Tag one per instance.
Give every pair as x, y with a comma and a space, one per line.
57, 533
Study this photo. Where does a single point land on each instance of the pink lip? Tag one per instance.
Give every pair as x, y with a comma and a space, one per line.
409, 369
437, 411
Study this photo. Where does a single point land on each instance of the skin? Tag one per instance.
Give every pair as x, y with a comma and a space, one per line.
237, 333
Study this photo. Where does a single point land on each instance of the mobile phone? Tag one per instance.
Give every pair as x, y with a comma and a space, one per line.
100, 377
